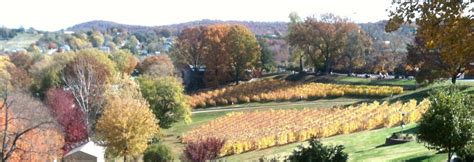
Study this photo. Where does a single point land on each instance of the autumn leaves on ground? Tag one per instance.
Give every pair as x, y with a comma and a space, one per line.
323, 89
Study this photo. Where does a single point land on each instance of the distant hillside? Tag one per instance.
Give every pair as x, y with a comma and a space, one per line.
259, 28
398, 39
376, 30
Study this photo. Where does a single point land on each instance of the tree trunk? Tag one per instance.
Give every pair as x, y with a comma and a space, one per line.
350, 68
453, 78
4, 144
125, 152
88, 125
349, 71
237, 78
327, 62
193, 79
327, 67
216, 74
450, 154
458, 71
301, 64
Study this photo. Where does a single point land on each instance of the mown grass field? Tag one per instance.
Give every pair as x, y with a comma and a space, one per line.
361, 146
407, 83
22, 40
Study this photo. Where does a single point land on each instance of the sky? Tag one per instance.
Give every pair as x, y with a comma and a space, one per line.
54, 15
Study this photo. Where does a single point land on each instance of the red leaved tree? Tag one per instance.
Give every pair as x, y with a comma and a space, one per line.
68, 115
205, 150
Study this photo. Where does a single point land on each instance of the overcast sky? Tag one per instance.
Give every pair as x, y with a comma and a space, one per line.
60, 14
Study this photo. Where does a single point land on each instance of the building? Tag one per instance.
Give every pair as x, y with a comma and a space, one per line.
87, 152
67, 32
192, 77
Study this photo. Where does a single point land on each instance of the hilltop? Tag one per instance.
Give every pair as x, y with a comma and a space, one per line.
259, 28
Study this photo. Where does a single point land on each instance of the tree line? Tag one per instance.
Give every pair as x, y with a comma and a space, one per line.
228, 53
332, 43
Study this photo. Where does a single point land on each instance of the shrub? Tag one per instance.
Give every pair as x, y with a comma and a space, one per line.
244, 99
448, 124
211, 103
222, 102
233, 100
401, 136
192, 104
165, 96
255, 98
273, 158
264, 98
272, 98
304, 97
313, 97
201, 104
204, 150
158, 152
317, 152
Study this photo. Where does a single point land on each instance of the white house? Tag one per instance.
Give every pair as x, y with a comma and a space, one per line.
68, 32
87, 152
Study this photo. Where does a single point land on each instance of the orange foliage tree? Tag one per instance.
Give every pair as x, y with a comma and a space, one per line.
189, 47
28, 131
216, 58
160, 66
226, 51
188, 52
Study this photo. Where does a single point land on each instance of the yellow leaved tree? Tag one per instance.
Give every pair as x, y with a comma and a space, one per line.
5, 76
445, 28
127, 122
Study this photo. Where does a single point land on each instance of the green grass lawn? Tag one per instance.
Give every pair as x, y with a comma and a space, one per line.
422, 92
409, 84
288, 104
361, 146
405, 83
